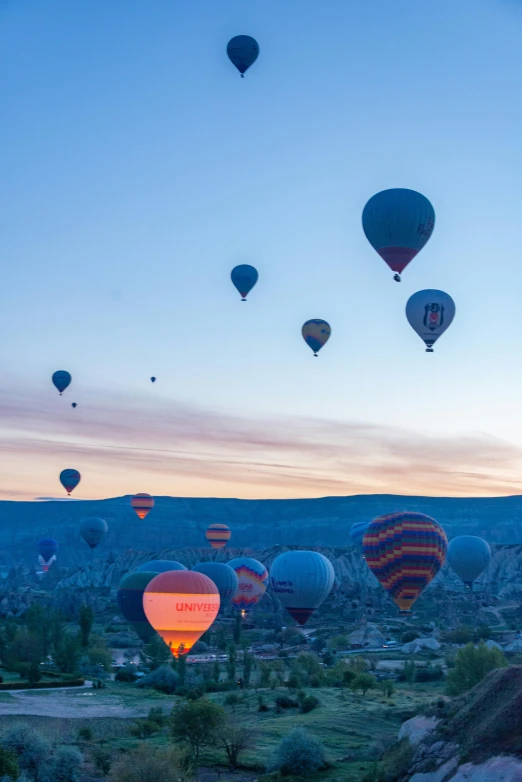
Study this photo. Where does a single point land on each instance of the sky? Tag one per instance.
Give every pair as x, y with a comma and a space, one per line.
137, 168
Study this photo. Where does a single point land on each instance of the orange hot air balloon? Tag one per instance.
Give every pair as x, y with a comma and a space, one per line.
181, 605
142, 504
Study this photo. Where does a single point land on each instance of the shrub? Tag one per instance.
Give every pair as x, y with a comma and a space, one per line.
299, 754
143, 729
102, 760
363, 682
169, 764
261, 703
85, 734
309, 703
66, 764
408, 636
126, 674
472, 664
163, 679
430, 673
197, 723
286, 702
31, 749
8, 765
157, 715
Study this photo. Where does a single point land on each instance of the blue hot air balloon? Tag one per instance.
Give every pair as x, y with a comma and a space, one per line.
316, 333
468, 556
70, 479
93, 531
130, 602
47, 550
243, 51
160, 566
244, 277
302, 580
398, 223
429, 313
61, 379
223, 576
357, 533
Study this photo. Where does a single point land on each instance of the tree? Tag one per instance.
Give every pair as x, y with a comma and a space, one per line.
231, 663
472, 664
181, 666
66, 764
102, 760
248, 661
197, 723
97, 660
86, 621
236, 738
30, 749
237, 629
145, 764
66, 652
8, 765
163, 679
299, 754
364, 682
338, 643
387, 688
24, 648
34, 675
221, 638
216, 672
409, 671
155, 653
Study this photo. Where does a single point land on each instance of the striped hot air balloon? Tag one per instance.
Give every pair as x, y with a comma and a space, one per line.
218, 535
70, 479
142, 504
405, 551
252, 582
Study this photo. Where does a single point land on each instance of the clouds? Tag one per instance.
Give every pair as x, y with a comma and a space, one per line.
123, 444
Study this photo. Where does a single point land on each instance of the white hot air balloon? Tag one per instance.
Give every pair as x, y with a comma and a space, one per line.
429, 313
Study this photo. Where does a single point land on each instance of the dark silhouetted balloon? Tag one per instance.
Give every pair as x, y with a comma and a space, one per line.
47, 550
316, 333
70, 479
160, 566
130, 602
73, 404
223, 576
61, 380
243, 52
244, 277
405, 551
153, 380
468, 556
302, 580
398, 223
93, 531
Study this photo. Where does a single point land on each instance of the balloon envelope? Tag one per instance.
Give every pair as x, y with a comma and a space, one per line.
218, 535
181, 605
47, 548
243, 52
429, 313
223, 576
302, 580
153, 380
93, 531
398, 223
357, 533
142, 504
61, 380
70, 479
252, 582
244, 277
469, 556
130, 601
161, 566
316, 333
405, 551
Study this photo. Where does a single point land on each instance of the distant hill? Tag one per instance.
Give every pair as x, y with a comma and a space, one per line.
258, 524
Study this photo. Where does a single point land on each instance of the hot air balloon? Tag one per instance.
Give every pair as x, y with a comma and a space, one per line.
469, 556
223, 576
93, 531
252, 582
244, 277
405, 551
357, 533
243, 51
302, 580
70, 479
181, 605
61, 380
47, 550
130, 602
73, 404
142, 504
429, 313
398, 223
153, 380
316, 333
160, 566
218, 535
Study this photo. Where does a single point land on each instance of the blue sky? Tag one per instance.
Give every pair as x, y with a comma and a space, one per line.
137, 169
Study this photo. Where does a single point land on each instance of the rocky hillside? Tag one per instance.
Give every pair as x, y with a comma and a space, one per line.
181, 522
483, 726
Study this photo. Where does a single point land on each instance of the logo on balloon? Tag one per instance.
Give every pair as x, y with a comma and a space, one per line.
433, 316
